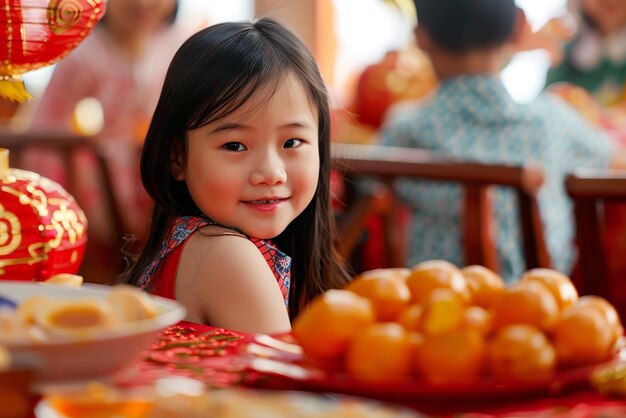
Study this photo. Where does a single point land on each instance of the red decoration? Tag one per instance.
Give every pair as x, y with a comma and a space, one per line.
42, 229
399, 76
37, 33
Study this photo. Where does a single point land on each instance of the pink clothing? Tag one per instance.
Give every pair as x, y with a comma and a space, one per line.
128, 90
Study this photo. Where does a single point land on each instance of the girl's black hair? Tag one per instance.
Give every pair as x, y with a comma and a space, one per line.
462, 25
214, 73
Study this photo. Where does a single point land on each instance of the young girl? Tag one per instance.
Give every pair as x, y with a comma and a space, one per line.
238, 153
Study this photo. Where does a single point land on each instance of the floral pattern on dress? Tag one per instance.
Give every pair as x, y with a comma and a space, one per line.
279, 263
184, 226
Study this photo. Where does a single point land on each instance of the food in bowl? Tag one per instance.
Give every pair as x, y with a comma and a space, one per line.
65, 279
81, 332
41, 318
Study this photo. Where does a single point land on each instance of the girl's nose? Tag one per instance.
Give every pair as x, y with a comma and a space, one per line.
270, 171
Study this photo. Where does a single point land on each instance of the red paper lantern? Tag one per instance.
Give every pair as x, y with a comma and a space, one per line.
399, 76
43, 231
37, 33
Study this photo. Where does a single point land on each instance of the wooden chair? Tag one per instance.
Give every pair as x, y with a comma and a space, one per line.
390, 163
67, 146
590, 190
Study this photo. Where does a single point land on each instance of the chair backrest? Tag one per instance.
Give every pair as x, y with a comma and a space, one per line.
67, 146
590, 190
390, 163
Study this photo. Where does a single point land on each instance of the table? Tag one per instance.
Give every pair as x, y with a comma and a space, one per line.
213, 355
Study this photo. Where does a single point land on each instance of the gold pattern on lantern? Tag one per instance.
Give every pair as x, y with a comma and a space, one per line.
7, 9
63, 14
17, 261
64, 220
38, 252
37, 198
60, 220
10, 231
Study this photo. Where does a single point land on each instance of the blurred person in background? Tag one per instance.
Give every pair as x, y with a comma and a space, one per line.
595, 57
590, 70
108, 88
472, 116
592, 77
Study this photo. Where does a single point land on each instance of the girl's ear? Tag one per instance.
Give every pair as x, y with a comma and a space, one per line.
177, 165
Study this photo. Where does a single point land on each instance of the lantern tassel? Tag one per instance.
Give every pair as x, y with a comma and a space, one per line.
14, 90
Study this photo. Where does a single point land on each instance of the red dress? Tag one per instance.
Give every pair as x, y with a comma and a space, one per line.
160, 278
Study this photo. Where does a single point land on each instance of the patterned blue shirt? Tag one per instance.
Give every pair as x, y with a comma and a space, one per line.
475, 118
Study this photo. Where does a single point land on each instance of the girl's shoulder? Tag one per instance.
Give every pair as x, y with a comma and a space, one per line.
213, 229
222, 270
214, 243
217, 257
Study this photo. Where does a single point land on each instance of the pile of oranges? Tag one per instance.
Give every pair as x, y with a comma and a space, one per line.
449, 325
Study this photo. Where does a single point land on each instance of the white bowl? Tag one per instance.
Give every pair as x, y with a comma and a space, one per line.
100, 354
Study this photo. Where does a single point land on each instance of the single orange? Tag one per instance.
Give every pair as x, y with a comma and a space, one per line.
388, 294
558, 283
454, 357
433, 274
381, 352
411, 317
527, 302
477, 318
326, 327
521, 352
485, 285
583, 336
444, 311
609, 312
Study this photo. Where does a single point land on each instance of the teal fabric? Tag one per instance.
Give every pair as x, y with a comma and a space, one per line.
474, 117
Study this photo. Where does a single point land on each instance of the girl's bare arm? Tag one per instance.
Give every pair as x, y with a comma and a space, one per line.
224, 280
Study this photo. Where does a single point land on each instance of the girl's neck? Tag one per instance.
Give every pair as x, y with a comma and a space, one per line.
485, 61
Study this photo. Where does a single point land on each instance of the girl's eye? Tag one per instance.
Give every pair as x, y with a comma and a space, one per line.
234, 146
293, 143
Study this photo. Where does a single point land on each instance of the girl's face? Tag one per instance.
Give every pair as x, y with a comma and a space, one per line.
609, 15
256, 169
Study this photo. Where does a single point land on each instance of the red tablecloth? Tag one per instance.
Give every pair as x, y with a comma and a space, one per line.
213, 355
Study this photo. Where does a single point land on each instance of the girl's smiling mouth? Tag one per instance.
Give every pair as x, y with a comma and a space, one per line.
266, 205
